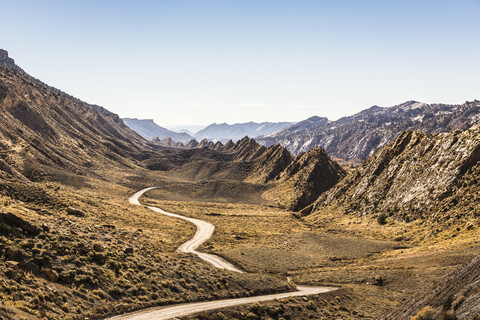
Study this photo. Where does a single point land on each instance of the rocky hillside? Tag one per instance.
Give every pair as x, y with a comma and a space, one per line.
224, 132
42, 128
293, 183
418, 176
359, 136
455, 296
270, 164
305, 178
148, 129
8, 62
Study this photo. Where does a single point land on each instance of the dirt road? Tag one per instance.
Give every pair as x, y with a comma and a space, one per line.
204, 232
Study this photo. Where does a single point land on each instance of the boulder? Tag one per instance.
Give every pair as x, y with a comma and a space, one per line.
16, 255
13, 220
51, 275
31, 267
75, 212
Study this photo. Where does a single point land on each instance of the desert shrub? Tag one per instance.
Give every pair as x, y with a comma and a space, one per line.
427, 313
447, 315
5, 228
382, 218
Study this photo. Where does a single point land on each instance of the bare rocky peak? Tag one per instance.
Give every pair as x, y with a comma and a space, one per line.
4, 56
5, 60
218, 146
304, 179
247, 149
271, 164
228, 145
191, 144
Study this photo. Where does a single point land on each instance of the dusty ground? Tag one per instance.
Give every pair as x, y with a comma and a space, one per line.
378, 266
111, 257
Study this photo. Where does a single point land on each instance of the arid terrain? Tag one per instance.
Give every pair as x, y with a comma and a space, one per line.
398, 235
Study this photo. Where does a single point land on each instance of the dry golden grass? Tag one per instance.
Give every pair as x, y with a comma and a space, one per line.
377, 265
117, 257
380, 265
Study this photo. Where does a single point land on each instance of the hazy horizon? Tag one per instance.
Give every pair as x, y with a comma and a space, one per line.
195, 63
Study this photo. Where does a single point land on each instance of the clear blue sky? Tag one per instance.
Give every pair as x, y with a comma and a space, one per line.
197, 62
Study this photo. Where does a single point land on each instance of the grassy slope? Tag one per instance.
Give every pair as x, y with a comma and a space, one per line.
96, 275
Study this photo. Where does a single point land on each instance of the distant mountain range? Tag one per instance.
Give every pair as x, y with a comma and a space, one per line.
224, 132
215, 132
148, 129
361, 135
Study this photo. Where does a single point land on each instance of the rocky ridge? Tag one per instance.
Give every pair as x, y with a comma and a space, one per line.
293, 182
455, 295
359, 136
42, 128
418, 176
305, 178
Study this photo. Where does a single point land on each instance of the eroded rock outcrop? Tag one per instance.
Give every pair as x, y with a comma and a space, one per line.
305, 179
416, 176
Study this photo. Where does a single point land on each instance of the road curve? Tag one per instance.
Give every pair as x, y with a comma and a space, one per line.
204, 232
186, 309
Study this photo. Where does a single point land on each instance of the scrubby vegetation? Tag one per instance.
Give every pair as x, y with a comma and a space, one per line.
60, 265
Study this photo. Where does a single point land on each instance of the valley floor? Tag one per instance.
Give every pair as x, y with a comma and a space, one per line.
116, 257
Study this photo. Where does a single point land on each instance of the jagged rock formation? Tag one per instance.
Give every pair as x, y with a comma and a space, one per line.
228, 145
305, 179
359, 136
168, 142
247, 149
191, 144
270, 164
218, 146
8, 62
206, 144
224, 132
148, 129
294, 182
417, 176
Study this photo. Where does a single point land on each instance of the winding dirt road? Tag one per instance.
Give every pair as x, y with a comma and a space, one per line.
204, 232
